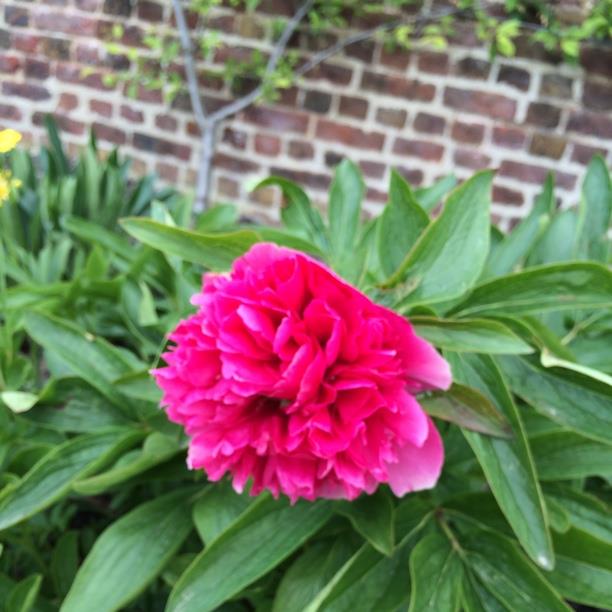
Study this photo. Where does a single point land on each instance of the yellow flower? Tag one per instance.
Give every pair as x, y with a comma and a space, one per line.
8, 184
8, 140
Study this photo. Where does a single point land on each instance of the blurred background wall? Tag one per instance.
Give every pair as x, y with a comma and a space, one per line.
425, 113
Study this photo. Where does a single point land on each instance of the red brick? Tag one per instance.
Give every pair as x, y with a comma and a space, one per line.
504, 195
73, 73
161, 146
309, 179
283, 121
10, 112
362, 50
56, 21
67, 102
228, 187
348, 135
470, 133
597, 60
150, 11
373, 169
547, 145
120, 8
237, 139
131, 114
26, 43
430, 61
375, 195
36, 69
55, 48
337, 75
470, 158
16, 16
413, 175
299, 149
267, 145
531, 173
592, 124
430, 124
26, 90
480, 103
472, 68
395, 58
353, 107
398, 86
166, 122
234, 164
65, 123
597, 95
556, 86
167, 172
317, 101
10, 64
393, 117
516, 77
509, 137
543, 115
583, 153
108, 133
104, 109
418, 148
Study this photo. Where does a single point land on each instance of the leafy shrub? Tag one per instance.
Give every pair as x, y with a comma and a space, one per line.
99, 512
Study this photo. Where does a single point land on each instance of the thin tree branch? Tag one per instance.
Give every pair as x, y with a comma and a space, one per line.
190, 67
277, 53
320, 57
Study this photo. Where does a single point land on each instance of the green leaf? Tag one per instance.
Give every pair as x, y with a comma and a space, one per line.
516, 245
284, 238
436, 573
468, 408
586, 512
430, 197
505, 571
94, 233
563, 455
556, 287
65, 562
130, 554
309, 573
344, 209
470, 335
156, 449
584, 569
23, 595
372, 517
558, 240
19, 401
212, 251
507, 464
298, 214
594, 213
449, 256
368, 582
548, 360
217, 219
94, 359
572, 399
51, 478
399, 226
476, 598
217, 509
237, 558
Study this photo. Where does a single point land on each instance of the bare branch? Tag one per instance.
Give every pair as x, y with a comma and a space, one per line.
320, 57
277, 53
190, 67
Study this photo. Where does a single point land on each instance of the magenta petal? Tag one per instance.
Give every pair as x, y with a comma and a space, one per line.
417, 468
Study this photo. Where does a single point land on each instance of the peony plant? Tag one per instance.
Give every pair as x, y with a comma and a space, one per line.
410, 411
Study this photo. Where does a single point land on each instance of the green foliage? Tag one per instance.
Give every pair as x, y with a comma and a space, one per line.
98, 510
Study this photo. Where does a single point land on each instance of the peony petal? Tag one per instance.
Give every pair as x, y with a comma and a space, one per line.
417, 468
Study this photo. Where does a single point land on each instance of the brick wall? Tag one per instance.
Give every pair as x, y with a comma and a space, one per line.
424, 113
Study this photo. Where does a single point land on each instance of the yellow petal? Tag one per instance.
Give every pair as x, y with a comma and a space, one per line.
8, 140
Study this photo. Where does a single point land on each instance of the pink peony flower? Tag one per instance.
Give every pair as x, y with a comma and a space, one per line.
291, 377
